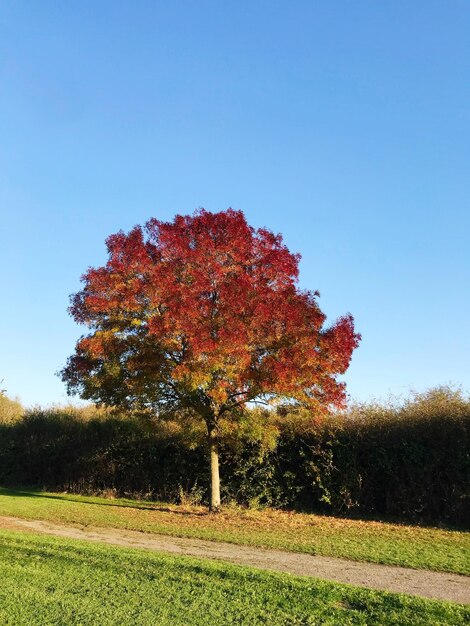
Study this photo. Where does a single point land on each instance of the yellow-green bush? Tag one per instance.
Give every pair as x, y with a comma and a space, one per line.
10, 410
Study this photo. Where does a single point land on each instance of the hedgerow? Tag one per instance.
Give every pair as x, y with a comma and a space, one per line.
409, 460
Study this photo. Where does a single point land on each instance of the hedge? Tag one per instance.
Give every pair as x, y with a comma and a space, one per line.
408, 462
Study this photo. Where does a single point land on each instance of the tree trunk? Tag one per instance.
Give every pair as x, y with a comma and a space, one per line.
214, 505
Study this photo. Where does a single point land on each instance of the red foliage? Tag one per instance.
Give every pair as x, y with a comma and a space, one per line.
205, 307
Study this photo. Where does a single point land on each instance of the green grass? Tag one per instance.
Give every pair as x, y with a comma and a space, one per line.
47, 581
412, 546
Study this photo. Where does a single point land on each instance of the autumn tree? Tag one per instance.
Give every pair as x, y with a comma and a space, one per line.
204, 314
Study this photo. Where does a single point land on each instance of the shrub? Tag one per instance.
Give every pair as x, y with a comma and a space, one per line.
10, 410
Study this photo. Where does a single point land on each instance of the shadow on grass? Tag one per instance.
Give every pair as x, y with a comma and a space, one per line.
64, 497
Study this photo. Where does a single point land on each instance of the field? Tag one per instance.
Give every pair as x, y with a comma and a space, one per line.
49, 581
379, 542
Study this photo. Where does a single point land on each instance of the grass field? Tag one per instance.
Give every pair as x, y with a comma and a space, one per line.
49, 581
412, 546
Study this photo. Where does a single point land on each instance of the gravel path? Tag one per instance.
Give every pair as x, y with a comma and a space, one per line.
436, 585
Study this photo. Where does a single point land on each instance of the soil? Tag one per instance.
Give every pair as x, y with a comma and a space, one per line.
429, 584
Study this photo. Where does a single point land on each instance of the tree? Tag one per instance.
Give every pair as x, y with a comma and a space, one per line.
203, 314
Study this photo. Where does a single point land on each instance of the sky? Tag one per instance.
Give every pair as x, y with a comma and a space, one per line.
345, 126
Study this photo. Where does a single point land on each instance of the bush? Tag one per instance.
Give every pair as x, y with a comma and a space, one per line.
10, 410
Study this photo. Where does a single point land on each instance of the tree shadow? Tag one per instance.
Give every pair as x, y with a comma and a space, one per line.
162, 508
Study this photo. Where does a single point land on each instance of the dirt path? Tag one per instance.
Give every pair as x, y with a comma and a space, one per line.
436, 585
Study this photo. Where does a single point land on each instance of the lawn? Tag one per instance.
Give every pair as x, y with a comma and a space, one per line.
379, 542
49, 581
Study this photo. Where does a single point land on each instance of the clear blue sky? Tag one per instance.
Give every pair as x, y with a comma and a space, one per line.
343, 125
